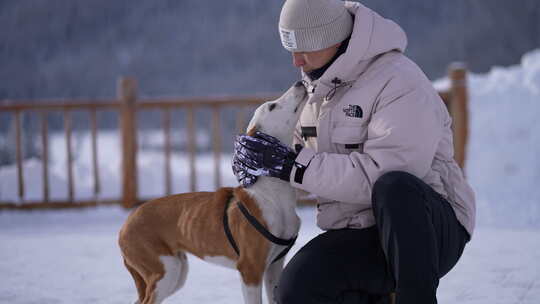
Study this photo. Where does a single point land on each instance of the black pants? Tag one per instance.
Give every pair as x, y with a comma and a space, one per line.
416, 241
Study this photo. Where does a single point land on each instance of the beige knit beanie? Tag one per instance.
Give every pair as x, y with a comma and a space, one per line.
312, 25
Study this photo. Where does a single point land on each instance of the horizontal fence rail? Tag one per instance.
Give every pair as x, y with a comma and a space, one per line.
127, 105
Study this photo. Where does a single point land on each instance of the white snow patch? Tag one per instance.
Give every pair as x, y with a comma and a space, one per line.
503, 164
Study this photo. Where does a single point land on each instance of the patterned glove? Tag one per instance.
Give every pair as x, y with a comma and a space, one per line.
261, 155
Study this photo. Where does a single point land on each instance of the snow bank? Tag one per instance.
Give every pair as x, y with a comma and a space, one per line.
151, 170
503, 162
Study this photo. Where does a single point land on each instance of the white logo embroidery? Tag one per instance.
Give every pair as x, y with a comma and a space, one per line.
288, 39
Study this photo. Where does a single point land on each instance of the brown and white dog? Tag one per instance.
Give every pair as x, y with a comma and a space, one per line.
156, 237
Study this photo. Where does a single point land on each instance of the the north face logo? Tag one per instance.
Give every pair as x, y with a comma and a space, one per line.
353, 111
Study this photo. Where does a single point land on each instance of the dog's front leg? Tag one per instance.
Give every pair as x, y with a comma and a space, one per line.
252, 293
271, 279
251, 274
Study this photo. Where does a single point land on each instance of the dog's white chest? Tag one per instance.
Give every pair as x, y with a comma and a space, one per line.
277, 201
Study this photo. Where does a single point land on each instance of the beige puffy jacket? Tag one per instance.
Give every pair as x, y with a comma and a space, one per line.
374, 111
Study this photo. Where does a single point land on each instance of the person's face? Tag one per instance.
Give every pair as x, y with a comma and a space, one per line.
309, 61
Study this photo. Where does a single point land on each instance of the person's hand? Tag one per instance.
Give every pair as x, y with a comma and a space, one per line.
261, 155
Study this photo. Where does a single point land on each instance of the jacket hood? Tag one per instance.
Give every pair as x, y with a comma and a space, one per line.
372, 35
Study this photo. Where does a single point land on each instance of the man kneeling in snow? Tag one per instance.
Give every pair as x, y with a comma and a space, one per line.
374, 144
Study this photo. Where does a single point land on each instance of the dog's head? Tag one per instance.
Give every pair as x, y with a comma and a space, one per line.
279, 117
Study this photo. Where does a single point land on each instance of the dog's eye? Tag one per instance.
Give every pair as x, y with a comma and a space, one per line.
271, 107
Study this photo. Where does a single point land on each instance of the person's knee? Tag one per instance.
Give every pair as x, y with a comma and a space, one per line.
306, 280
389, 187
393, 179
286, 294
292, 288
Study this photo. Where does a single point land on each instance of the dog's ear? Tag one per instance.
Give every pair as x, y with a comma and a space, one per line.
252, 130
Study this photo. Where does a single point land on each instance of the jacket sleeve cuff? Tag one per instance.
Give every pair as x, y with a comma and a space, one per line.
301, 162
304, 157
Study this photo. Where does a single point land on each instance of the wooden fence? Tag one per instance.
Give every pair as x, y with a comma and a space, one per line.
128, 105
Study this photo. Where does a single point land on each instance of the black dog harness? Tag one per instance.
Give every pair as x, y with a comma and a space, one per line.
257, 225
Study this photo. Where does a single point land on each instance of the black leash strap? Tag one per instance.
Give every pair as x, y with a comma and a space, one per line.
269, 236
262, 230
227, 228
257, 225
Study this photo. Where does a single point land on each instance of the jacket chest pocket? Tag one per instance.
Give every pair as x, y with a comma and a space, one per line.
347, 139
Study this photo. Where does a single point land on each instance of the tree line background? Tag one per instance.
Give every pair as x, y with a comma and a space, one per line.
78, 48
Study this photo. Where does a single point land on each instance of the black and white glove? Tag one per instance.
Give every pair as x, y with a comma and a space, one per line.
261, 155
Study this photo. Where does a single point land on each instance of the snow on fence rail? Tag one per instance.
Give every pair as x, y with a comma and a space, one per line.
127, 105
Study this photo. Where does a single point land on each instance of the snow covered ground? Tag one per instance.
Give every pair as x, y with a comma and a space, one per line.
71, 256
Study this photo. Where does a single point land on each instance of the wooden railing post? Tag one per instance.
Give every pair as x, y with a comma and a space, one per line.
240, 121
95, 167
216, 145
45, 156
19, 154
192, 148
459, 111
127, 94
167, 136
69, 156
